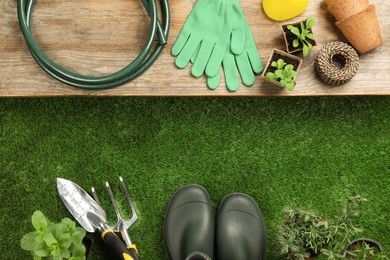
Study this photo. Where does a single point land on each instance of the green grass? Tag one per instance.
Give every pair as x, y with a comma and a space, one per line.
314, 151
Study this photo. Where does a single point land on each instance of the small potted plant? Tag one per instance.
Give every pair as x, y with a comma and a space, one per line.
304, 234
50, 240
365, 248
294, 234
299, 36
282, 69
358, 249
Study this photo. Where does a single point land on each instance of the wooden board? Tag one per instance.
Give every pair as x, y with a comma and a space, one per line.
98, 37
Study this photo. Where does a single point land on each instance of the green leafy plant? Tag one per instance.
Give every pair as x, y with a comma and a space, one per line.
54, 241
304, 233
342, 228
364, 251
284, 73
303, 35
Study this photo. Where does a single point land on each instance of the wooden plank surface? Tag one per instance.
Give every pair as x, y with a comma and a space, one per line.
98, 37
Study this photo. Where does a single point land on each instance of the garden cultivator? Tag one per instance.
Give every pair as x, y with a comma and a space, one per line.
122, 225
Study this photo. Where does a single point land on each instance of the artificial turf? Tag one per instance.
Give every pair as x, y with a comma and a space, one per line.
314, 151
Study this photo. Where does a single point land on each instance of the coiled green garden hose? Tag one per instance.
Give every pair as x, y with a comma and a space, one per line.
144, 60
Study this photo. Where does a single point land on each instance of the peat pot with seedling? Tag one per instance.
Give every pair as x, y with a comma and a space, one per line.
299, 36
282, 69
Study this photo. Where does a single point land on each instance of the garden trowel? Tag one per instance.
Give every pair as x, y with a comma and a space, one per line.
91, 216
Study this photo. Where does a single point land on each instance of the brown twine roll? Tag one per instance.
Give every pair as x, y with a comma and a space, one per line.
337, 52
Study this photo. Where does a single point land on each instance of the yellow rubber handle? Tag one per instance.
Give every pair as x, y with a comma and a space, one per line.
134, 247
134, 251
116, 244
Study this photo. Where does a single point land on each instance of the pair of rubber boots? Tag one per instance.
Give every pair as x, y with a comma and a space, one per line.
190, 230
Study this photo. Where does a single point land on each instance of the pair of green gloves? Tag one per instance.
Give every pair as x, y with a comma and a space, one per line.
216, 33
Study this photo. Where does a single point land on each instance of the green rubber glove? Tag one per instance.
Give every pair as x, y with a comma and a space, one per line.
248, 64
208, 29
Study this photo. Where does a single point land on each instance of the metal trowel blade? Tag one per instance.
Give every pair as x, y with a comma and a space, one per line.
79, 203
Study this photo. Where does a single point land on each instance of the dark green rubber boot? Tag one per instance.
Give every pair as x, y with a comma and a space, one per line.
240, 233
189, 225
198, 256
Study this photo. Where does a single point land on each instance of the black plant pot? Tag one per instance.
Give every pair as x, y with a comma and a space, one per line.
368, 241
88, 246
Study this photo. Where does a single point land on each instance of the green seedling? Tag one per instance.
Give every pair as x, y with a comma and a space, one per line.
364, 251
303, 35
284, 73
54, 241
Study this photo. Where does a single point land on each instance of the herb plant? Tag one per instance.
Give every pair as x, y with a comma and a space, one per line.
304, 233
284, 73
364, 251
54, 241
303, 35
342, 228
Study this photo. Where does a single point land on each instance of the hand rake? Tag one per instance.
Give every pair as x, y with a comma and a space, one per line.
121, 225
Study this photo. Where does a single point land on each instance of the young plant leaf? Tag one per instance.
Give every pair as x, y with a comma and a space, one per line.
279, 73
295, 43
290, 86
306, 50
42, 250
310, 22
56, 251
61, 232
310, 36
39, 221
290, 27
28, 241
270, 77
79, 251
281, 63
283, 82
294, 30
69, 223
50, 239
289, 67
302, 27
293, 73
78, 235
309, 46
290, 72
64, 252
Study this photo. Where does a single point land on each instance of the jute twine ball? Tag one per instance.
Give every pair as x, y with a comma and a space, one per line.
333, 54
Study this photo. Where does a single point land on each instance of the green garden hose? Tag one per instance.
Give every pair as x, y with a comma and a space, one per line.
144, 60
